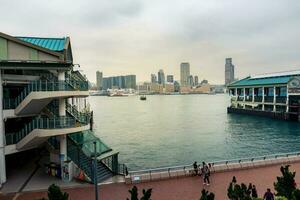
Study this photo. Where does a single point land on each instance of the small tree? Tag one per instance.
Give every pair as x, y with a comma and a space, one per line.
134, 194
285, 184
296, 194
205, 195
54, 193
239, 192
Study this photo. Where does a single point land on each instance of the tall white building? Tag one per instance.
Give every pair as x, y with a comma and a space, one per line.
184, 74
229, 71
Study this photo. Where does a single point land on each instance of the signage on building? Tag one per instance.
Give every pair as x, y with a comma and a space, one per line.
294, 85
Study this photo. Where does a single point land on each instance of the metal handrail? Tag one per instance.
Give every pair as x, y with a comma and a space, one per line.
214, 163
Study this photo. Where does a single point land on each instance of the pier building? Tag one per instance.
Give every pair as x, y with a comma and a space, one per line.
275, 95
44, 108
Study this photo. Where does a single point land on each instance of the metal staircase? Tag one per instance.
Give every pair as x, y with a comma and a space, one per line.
80, 150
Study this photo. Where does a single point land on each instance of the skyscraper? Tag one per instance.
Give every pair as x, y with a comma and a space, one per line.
184, 73
161, 77
196, 80
170, 78
229, 71
153, 78
99, 77
190, 80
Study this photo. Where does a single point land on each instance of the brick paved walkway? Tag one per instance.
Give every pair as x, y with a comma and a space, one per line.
187, 188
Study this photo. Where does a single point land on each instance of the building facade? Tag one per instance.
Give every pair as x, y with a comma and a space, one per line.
161, 77
99, 77
170, 78
119, 82
153, 78
196, 80
191, 80
184, 74
229, 71
44, 104
275, 95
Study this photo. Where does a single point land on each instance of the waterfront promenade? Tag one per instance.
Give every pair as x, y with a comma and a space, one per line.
186, 188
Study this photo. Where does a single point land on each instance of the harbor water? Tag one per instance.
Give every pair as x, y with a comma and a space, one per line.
168, 130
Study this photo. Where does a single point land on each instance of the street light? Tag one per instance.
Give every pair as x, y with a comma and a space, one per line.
95, 171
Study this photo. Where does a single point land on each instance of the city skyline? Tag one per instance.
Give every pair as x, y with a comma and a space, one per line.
134, 36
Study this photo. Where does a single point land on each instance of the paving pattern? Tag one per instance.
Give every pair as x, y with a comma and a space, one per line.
186, 188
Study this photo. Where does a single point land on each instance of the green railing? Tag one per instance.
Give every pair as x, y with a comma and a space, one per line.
9, 103
40, 123
41, 86
83, 117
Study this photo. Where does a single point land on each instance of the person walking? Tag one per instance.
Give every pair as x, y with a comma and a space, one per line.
269, 195
206, 173
195, 168
254, 192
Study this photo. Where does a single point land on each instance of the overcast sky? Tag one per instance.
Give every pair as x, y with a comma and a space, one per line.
142, 36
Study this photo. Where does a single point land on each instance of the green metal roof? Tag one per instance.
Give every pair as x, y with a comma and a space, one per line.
261, 81
53, 44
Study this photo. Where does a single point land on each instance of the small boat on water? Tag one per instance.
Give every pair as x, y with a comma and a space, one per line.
143, 97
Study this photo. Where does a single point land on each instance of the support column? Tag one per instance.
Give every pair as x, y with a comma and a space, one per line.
253, 98
2, 138
287, 101
263, 98
244, 97
62, 113
274, 99
236, 98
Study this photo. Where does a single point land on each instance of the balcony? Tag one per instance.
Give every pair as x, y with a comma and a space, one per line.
269, 99
38, 94
240, 98
248, 98
258, 99
39, 130
281, 100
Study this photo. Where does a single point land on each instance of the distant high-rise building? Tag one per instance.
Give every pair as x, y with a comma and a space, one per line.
176, 86
130, 81
196, 80
161, 77
99, 77
204, 81
126, 82
170, 78
184, 74
229, 71
153, 78
190, 80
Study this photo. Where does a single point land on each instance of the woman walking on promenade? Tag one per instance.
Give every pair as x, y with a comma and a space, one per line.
269, 195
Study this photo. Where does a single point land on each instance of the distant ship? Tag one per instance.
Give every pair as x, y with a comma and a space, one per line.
143, 97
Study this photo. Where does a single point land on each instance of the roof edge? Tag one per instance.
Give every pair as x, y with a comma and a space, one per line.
14, 39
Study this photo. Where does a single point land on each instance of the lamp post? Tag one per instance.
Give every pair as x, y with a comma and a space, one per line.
95, 171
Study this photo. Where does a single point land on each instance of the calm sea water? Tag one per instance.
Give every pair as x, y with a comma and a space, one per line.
176, 130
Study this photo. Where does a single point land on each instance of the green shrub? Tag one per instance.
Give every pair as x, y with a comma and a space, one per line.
296, 194
257, 199
134, 194
280, 198
285, 184
54, 193
205, 195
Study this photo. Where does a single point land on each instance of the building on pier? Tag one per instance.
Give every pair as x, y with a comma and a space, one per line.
275, 95
44, 106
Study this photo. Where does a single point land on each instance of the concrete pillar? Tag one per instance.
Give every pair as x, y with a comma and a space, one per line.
287, 102
62, 113
244, 97
263, 98
274, 99
253, 95
2, 138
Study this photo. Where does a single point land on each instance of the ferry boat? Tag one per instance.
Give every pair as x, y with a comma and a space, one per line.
143, 97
